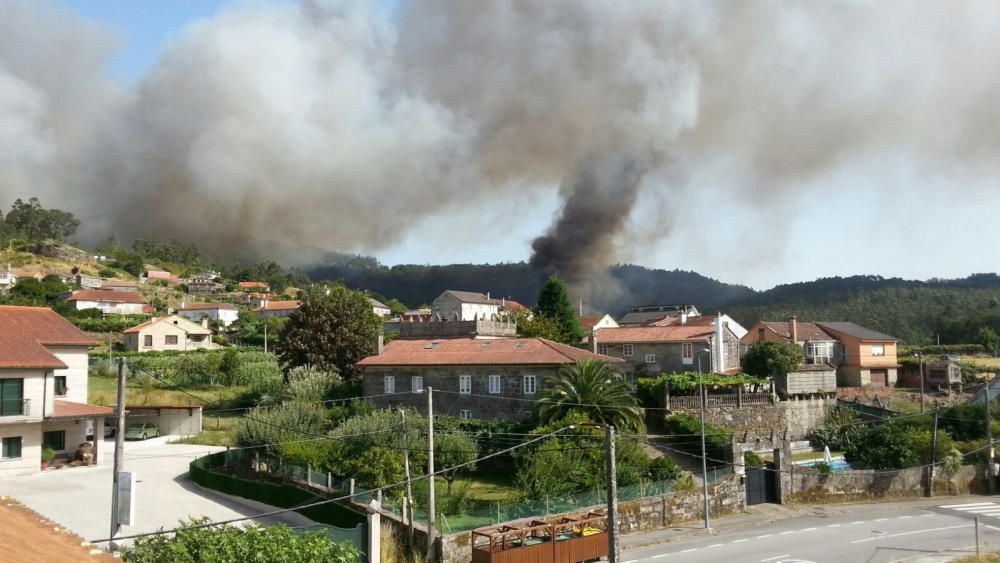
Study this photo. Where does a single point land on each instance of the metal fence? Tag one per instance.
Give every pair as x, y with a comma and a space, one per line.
735, 400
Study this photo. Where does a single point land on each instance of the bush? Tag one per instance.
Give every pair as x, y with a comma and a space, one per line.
250, 368
650, 390
306, 383
688, 431
285, 422
48, 453
108, 273
897, 445
823, 467
840, 429
751, 460
663, 469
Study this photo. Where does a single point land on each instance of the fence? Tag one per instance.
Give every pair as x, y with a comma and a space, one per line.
733, 400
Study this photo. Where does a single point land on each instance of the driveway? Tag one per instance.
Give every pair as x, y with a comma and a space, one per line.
80, 498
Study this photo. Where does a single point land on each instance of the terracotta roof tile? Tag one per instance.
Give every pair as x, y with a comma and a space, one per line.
806, 330
683, 333
68, 409
470, 351
206, 306
26, 331
280, 305
106, 296
254, 285
184, 324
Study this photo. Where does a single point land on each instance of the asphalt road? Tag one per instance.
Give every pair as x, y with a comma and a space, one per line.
909, 534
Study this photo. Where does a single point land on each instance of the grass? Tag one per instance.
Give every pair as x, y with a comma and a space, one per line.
985, 362
482, 487
104, 391
809, 456
215, 431
988, 558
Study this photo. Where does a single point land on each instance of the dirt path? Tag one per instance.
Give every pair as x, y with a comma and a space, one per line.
28, 537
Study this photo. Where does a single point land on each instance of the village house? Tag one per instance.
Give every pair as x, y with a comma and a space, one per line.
200, 286
88, 282
43, 388
168, 333
380, 309
417, 315
254, 287
675, 348
253, 300
645, 315
151, 275
224, 313
7, 279
860, 356
590, 322
277, 308
112, 284
472, 377
111, 302
464, 306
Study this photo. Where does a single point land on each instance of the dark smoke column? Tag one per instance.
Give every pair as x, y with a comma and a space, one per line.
598, 199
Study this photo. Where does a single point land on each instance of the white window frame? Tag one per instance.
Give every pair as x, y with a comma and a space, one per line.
495, 384
650, 358
465, 384
880, 353
465, 414
389, 384
417, 383
820, 352
627, 350
602, 349
21, 447
687, 353
529, 383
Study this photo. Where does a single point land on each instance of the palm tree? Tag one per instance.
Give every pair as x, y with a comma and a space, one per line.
593, 388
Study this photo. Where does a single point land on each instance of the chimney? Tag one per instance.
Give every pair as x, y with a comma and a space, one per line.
684, 317
380, 344
204, 322
793, 328
593, 339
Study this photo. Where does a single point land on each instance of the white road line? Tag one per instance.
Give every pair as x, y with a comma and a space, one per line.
631, 561
961, 506
880, 520
690, 550
913, 532
807, 529
981, 510
714, 545
766, 560
833, 526
858, 522
788, 532
992, 512
764, 536
904, 517
740, 541
659, 556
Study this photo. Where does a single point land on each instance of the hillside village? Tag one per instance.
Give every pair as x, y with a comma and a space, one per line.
241, 364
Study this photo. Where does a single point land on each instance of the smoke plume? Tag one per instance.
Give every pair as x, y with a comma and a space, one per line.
332, 124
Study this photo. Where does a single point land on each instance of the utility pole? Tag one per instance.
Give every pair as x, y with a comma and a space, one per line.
990, 476
921, 358
933, 453
430, 474
704, 454
614, 553
119, 446
265, 335
409, 488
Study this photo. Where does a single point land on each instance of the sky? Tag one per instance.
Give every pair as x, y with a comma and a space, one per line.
859, 217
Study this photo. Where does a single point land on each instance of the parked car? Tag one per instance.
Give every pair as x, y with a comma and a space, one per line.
141, 431
110, 427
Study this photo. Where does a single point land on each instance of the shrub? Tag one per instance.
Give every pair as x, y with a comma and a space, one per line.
840, 429
751, 460
306, 383
823, 467
286, 422
663, 469
48, 453
687, 428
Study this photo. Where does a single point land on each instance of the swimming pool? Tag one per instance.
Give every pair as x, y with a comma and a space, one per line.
836, 464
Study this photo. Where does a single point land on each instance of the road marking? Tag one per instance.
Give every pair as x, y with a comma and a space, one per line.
690, 550
904, 517
631, 561
764, 536
990, 512
961, 506
740, 541
858, 522
807, 529
714, 545
913, 532
880, 520
788, 532
659, 556
833, 526
773, 558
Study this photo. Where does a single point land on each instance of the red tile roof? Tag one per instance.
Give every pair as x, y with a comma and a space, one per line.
280, 305
684, 333
509, 304
68, 409
807, 331
470, 351
189, 326
254, 285
105, 296
204, 306
26, 331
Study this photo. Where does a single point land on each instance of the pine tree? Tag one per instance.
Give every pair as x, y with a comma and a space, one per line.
553, 303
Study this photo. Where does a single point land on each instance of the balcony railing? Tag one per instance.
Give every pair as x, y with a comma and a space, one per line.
15, 407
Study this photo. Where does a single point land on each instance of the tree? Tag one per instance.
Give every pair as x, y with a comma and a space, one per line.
988, 338
897, 445
553, 303
593, 388
452, 449
535, 326
291, 420
31, 221
768, 359
330, 332
238, 544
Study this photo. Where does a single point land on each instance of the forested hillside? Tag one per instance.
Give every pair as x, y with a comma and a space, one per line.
914, 311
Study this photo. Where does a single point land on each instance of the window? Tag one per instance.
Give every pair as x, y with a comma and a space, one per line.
627, 350
466, 414
760, 335
530, 385
170, 339
819, 352
389, 384
11, 397
687, 353
878, 349
417, 383
602, 349
55, 439
11, 448
650, 358
147, 340
60, 385
495, 384
465, 384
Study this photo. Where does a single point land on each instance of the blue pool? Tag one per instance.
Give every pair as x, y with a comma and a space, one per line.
837, 464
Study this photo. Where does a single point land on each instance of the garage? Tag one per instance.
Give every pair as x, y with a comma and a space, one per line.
169, 420
879, 377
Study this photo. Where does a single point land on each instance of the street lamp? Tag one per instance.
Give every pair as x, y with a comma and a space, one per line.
704, 454
920, 356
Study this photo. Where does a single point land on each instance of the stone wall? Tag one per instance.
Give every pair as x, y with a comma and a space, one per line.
791, 420
807, 485
726, 496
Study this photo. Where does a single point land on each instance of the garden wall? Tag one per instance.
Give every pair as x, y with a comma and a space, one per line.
764, 422
807, 485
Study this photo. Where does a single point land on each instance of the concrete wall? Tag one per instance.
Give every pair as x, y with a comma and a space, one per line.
517, 405
854, 376
34, 391
31, 449
76, 433
807, 485
75, 358
174, 421
797, 417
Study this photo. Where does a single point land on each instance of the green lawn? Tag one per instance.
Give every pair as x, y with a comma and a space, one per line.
215, 431
104, 391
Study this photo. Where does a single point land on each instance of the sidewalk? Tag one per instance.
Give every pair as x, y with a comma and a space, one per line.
763, 514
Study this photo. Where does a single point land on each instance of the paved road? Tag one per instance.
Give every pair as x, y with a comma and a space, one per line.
80, 498
909, 534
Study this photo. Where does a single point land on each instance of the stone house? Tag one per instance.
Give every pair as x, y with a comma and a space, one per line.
117, 302
168, 333
472, 377
380, 309
225, 313
464, 306
645, 315
43, 388
860, 356
588, 322
653, 350
277, 308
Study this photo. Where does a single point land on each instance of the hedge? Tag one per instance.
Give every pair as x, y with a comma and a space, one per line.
687, 437
281, 495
